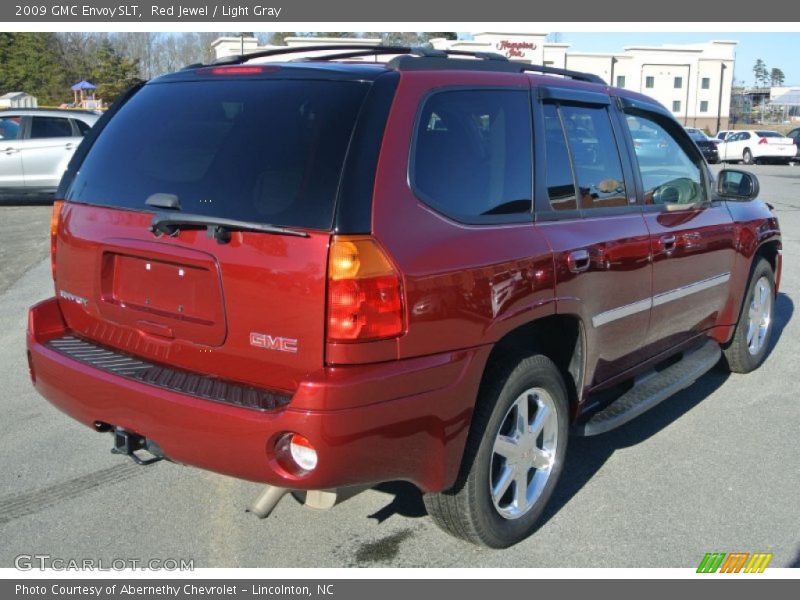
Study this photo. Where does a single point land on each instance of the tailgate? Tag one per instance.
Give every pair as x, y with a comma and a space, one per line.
250, 146
251, 310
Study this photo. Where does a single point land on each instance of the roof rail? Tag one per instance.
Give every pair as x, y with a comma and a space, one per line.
414, 58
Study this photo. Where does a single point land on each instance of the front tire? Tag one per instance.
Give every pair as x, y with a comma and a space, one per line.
513, 459
748, 347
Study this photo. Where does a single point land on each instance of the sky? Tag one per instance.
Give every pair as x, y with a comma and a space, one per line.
775, 49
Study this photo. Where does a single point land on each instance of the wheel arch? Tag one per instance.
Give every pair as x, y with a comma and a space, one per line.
560, 337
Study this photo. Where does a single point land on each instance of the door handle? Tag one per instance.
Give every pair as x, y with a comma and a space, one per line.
11, 150
668, 243
578, 261
69, 146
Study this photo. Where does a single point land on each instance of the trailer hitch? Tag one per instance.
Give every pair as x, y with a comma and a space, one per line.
128, 443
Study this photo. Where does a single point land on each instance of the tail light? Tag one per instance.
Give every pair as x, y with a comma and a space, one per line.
364, 292
762, 141
55, 218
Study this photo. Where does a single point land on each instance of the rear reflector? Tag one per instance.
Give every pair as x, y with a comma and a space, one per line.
364, 292
55, 218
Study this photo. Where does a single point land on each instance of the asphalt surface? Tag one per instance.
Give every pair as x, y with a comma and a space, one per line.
714, 468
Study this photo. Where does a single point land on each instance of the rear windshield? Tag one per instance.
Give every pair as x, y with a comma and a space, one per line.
265, 151
773, 134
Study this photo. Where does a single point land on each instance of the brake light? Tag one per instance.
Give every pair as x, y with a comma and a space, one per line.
55, 218
238, 70
364, 292
762, 141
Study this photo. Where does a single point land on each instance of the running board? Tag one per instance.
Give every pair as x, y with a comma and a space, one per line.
653, 389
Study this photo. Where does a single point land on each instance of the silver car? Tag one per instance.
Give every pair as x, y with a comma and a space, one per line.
35, 147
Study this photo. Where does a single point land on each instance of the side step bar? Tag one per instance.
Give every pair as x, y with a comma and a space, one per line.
650, 391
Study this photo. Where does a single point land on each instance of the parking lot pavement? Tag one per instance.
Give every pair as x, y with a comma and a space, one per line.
22, 241
712, 469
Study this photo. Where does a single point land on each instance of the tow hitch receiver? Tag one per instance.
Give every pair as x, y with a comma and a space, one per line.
128, 443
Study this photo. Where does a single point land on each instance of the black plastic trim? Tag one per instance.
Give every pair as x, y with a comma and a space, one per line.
353, 212
168, 378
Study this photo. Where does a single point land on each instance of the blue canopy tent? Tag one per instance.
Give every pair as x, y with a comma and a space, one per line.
80, 89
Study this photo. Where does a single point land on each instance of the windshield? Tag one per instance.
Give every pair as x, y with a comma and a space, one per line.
265, 151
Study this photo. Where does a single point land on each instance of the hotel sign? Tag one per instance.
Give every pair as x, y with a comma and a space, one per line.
515, 49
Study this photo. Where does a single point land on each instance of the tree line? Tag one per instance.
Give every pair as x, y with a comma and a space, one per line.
764, 77
47, 64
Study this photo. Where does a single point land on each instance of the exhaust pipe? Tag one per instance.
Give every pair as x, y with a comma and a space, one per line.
267, 501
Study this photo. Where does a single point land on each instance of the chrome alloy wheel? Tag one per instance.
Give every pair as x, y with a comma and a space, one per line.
760, 316
523, 454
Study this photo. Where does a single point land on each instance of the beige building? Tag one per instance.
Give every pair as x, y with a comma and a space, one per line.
693, 81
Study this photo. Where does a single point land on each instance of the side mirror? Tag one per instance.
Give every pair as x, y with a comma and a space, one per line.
737, 185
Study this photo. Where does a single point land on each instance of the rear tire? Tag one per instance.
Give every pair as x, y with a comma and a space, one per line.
748, 347
513, 459
747, 157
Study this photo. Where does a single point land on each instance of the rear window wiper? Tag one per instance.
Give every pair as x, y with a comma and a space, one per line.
171, 223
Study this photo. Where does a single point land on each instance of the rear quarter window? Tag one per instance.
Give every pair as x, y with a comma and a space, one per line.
471, 157
269, 151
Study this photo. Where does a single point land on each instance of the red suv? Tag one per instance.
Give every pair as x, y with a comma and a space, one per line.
323, 274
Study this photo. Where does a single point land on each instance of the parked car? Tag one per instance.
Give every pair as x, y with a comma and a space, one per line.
707, 146
721, 135
35, 147
794, 134
753, 146
322, 275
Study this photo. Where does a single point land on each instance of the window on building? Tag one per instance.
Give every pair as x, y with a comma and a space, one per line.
705, 83
676, 106
649, 82
678, 83
620, 81
703, 106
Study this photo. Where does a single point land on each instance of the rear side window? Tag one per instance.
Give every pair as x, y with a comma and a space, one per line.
472, 154
265, 151
50, 127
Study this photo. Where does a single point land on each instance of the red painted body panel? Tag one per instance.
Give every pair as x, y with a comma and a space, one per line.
619, 274
703, 249
269, 284
372, 423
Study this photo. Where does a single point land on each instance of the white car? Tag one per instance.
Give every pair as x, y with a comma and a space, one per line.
35, 147
721, 135
750, 146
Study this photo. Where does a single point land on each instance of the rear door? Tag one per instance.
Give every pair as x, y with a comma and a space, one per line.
11, 173
49, 144
586, 207
248, 306
692, 237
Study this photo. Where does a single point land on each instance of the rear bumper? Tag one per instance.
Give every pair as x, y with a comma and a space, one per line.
403, 420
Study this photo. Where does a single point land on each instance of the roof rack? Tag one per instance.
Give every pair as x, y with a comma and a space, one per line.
414, 58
